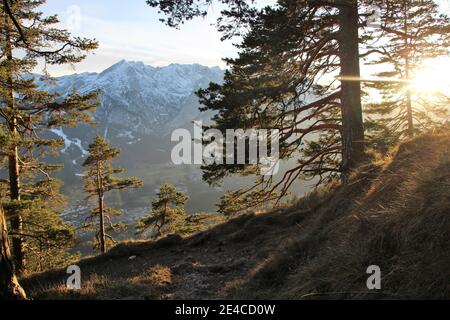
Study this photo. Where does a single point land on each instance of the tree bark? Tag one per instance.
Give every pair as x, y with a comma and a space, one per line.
10, 288
102, 236
409, 111
13, 165
409, 114
352, 120
102, 226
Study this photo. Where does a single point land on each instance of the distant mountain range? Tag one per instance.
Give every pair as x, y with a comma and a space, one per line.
152, 99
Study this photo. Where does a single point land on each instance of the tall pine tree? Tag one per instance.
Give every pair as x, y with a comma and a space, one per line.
26, 36
101, 179
296, 72
324, 36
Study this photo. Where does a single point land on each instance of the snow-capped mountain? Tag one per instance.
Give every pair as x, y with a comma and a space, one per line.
141, 99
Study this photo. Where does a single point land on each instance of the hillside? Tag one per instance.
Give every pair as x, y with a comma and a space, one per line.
395, 214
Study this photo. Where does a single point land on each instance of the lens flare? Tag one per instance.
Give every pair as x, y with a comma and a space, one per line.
432, 81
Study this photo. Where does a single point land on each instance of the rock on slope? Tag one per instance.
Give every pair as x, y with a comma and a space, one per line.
394, 214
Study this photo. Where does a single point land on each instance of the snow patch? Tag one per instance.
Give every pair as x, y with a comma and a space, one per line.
69, 142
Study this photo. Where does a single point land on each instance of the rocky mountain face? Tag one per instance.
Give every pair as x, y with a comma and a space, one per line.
141, 99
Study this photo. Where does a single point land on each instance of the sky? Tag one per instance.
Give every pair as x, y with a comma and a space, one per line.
131, 30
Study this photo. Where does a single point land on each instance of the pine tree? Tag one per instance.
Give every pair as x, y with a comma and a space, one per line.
314, 38
167, 211
297, 71
49, 238
26, 36
99, 180
414, 31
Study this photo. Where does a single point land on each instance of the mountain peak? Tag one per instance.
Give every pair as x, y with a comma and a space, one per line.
132, 92
139, 66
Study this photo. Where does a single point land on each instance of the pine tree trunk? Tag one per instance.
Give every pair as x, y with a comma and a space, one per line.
409, 114
352, 120
10, 288
102, 236
409, 111
102, 225
14, 173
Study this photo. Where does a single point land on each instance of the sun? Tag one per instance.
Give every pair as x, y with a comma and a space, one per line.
433, 78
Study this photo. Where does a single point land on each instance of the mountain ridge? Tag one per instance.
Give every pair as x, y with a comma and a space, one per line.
144, 96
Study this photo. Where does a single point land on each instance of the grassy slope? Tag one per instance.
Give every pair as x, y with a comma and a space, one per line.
395, 214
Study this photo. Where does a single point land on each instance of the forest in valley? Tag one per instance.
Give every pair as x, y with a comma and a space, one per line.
358, 92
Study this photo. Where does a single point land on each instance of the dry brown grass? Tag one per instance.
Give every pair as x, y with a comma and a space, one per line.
400, 221
152, 283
